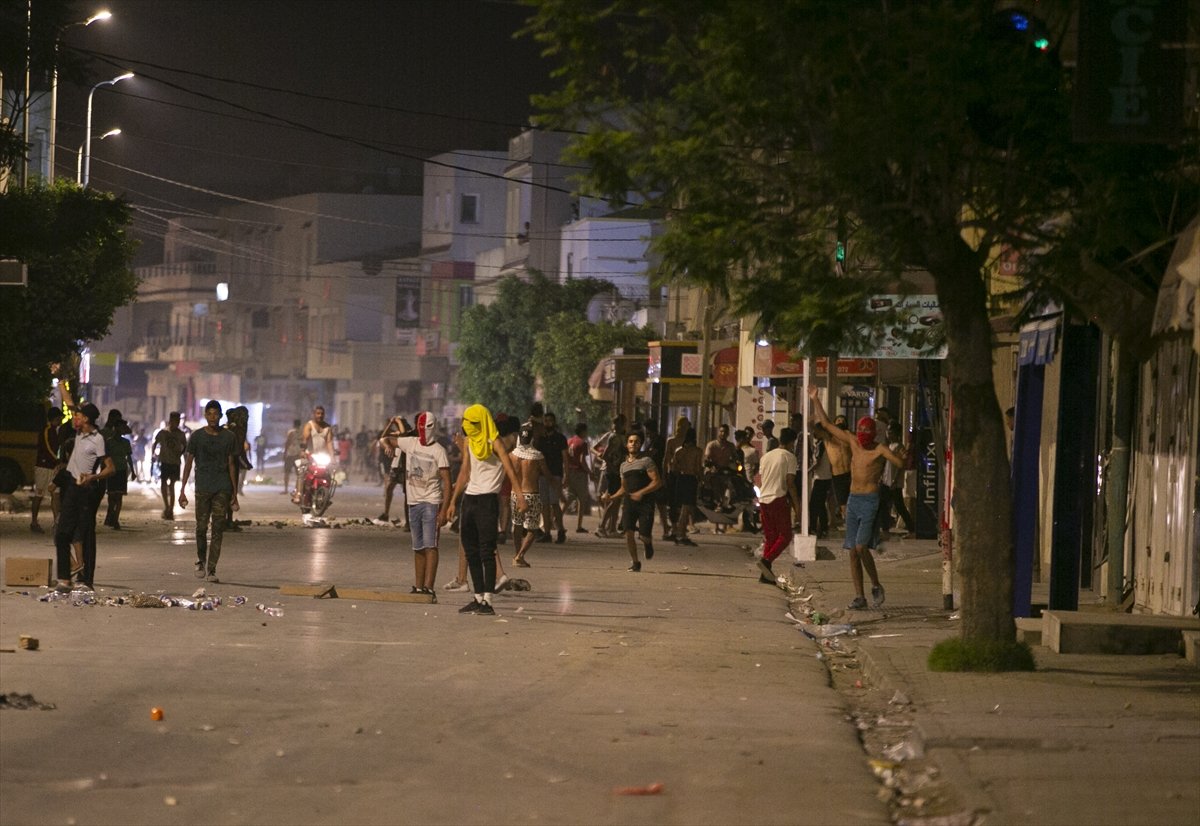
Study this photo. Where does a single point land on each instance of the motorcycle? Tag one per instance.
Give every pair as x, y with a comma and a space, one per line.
725, 494
318, 481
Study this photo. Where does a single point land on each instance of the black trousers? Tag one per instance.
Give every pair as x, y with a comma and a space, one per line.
818, 506
477, 529
77, 523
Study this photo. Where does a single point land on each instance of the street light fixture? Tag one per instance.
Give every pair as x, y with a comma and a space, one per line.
99, 16
79, 154
87, 140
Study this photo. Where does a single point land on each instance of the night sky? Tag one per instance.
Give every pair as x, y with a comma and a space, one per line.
409, 79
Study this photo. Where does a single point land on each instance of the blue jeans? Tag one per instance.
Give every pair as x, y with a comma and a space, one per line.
860, 520
422, 521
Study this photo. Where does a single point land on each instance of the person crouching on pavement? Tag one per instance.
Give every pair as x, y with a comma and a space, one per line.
639, 479
485, 466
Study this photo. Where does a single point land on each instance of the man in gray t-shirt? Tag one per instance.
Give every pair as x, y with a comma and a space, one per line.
639, 479
213, 450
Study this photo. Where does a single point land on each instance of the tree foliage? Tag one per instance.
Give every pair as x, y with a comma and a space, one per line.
75, 244
929, 136
496, 345
564, 355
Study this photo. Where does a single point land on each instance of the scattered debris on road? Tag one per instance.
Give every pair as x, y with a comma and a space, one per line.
22, 702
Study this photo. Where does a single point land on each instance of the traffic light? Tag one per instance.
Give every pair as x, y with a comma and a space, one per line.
1028, 29
1019, 77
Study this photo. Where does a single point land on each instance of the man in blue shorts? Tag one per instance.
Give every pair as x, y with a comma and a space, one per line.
427, 472
866, 468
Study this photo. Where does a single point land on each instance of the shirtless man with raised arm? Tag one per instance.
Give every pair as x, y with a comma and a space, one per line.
866, 468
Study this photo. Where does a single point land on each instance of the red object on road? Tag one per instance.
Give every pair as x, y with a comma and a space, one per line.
653, 788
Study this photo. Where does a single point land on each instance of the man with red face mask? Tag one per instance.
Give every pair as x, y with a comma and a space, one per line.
866, 468
427, 489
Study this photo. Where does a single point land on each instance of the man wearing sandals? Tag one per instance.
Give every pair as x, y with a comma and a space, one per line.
866, 468
530, 465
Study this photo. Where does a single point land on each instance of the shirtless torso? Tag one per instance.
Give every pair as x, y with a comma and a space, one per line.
688, 460
529, 469
866, 463
839, 453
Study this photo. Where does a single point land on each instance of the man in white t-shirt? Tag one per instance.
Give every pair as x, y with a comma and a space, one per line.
427, 489
777, 500
75, 532
485, 464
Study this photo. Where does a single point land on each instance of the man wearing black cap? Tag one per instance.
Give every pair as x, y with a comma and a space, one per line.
214, 450
74, 538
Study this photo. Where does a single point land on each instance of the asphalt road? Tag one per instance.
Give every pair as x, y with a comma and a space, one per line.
595, 682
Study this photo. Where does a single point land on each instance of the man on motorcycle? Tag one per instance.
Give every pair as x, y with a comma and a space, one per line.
317, 436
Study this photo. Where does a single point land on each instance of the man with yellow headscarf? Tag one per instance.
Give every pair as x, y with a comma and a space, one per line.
485, 464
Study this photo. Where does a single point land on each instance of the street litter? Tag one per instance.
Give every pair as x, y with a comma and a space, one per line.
156, 714
270, 612
652, 788
905, 750
817, 632
22, 702
883, 636
900, 699
27, 642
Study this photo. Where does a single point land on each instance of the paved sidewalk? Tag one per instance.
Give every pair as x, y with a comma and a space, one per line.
1085, 739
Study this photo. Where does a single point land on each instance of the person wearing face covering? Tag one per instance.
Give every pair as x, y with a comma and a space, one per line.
866, 467
486, 463
427, 490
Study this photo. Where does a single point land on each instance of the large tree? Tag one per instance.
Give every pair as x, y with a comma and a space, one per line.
926, 135
564, 355
76, 247
496, 344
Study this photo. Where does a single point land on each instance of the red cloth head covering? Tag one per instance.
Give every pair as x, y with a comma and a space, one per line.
426, 428
866, 431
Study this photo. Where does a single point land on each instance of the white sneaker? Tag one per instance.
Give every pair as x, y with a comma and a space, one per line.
455, 585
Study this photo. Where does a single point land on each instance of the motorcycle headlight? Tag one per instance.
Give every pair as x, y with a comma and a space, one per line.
321, 458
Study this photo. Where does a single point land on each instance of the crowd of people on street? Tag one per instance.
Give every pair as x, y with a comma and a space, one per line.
496, 478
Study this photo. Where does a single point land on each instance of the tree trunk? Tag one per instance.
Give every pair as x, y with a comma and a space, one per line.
982, 496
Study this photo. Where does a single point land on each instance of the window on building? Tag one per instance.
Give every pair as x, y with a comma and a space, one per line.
466, 296
468, 209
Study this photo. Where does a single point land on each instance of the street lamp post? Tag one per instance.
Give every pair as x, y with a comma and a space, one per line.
79, 155
98, 16
87, 138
